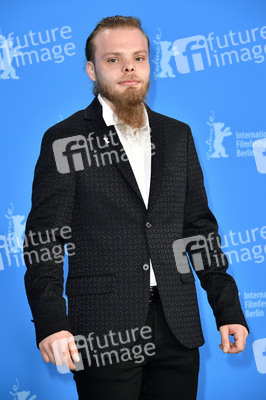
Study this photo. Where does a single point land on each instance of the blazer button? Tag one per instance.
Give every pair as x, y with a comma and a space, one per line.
148, 224
145, 267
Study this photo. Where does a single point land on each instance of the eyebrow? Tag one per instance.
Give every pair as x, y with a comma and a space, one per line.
117, 53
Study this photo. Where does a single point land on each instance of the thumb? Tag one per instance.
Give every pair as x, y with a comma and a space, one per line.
225, 346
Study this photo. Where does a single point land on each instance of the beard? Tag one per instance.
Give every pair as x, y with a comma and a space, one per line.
128, 106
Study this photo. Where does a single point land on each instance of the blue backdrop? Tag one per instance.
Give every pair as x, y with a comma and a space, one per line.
208, 70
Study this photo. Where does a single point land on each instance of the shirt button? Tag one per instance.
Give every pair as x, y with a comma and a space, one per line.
145, 267
148, 224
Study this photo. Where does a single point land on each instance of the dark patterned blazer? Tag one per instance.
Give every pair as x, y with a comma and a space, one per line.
115, 235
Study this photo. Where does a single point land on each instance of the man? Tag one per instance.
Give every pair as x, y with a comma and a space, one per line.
127, 183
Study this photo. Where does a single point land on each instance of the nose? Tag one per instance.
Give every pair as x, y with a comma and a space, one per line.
128, 66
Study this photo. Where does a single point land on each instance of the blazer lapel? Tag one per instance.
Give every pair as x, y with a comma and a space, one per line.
157, 159
97, 125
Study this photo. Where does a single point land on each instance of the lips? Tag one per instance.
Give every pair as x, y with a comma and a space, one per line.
129, 82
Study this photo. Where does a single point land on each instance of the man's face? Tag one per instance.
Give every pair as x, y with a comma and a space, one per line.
121, 69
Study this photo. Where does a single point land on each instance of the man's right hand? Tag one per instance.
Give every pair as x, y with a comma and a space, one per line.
60, 349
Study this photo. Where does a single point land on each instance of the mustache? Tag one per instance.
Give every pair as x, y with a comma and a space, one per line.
130, 78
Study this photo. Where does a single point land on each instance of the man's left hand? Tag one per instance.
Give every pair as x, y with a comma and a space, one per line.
240, 334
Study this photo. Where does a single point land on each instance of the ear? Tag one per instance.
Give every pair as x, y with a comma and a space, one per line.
91, 71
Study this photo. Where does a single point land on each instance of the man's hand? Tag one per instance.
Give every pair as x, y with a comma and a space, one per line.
240, 334
59, 349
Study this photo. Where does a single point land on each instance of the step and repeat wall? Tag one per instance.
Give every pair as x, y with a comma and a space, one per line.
207, 69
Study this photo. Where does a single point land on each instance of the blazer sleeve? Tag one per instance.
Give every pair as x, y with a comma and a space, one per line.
221, 288
45, 232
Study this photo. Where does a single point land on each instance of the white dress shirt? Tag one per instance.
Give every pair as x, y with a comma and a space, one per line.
138, 150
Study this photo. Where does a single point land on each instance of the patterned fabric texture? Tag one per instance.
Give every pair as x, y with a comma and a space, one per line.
115, 235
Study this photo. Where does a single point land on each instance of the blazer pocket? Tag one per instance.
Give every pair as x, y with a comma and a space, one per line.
188, 277
90, 284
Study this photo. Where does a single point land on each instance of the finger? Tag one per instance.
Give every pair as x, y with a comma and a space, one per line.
65, 354
73, 350
47, 352
231, 348
57, 355
225, 345
234, 349
67, 360
50, 353
238, 346
45, 356
62, 352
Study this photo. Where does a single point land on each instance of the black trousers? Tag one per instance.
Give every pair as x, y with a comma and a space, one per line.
171, 372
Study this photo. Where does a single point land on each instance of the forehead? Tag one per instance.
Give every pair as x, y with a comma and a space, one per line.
120, 40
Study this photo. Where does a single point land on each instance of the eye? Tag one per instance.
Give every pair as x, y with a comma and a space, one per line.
112, 60
137, 58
